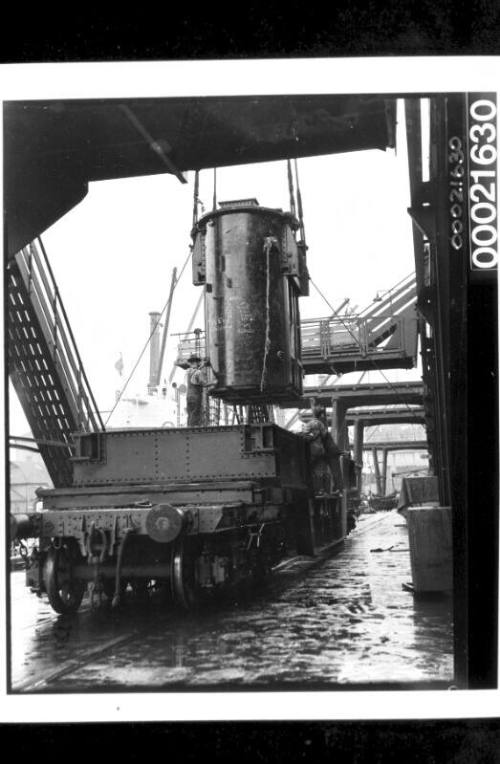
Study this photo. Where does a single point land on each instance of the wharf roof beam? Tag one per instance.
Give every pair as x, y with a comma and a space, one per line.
362, 395
54, 149
395, 445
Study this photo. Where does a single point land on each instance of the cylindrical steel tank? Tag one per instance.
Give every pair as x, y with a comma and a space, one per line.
248, 259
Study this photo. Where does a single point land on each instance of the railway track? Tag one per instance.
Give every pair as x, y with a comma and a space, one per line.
60, 628
313, 620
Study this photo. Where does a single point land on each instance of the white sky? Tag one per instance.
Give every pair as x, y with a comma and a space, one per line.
113, 254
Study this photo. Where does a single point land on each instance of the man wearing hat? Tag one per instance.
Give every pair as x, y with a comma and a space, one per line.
332, 451
315, 431
324, 451
196, 380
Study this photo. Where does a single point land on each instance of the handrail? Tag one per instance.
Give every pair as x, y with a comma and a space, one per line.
95, 411
394, 294
47, 303
63, 361
321, 337
40, 306
361, 336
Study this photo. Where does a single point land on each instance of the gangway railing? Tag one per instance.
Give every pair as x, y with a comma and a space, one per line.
190, 344
44, 363
345, 343
354, 343
328, 336
384, 333
393, 300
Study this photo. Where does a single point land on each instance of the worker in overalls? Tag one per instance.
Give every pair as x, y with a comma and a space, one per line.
195, 383
325, 453
200, 377
333, 452
315, 432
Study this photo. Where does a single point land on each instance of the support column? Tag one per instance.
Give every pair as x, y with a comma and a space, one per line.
376, 466
385, 452
359, 431
340, 435
339, 424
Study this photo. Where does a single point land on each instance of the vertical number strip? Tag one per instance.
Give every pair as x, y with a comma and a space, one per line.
482, 150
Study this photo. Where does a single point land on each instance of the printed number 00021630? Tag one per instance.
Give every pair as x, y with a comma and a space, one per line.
482, 189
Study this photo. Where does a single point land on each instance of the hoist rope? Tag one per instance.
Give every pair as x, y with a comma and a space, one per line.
188, 330
335, 313
374, 363
268, 243
291, 190
299, 204
196, 197
153, 330
175, 281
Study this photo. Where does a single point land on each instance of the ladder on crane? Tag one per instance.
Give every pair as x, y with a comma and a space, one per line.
44, 364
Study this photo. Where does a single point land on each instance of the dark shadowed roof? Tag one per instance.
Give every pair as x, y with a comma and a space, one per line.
53, 149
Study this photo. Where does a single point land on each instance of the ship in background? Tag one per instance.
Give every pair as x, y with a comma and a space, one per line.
162, 404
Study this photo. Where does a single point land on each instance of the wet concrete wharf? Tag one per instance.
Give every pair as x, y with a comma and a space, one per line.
343, 620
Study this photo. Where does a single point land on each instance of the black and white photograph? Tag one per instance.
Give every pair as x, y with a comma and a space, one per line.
246, 386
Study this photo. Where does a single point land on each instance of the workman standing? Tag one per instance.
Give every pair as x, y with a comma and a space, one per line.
325, 453
196, 381
333, 454
315, 431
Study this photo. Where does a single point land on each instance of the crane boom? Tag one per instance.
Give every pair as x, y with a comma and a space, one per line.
165, 328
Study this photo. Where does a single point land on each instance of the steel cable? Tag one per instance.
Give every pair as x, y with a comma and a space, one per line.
268, 243
374, 364
148, 340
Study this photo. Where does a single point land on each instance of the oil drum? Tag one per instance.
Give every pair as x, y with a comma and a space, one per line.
250, 263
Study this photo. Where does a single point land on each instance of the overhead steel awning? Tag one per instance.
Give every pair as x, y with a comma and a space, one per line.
53, 149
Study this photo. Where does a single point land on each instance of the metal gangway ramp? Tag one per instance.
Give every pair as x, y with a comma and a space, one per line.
44, 364
383, 335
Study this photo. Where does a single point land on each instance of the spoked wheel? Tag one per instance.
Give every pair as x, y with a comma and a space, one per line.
65, 593
184, 587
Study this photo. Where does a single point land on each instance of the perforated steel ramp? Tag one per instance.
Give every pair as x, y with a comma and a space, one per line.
44, 364
382, 336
